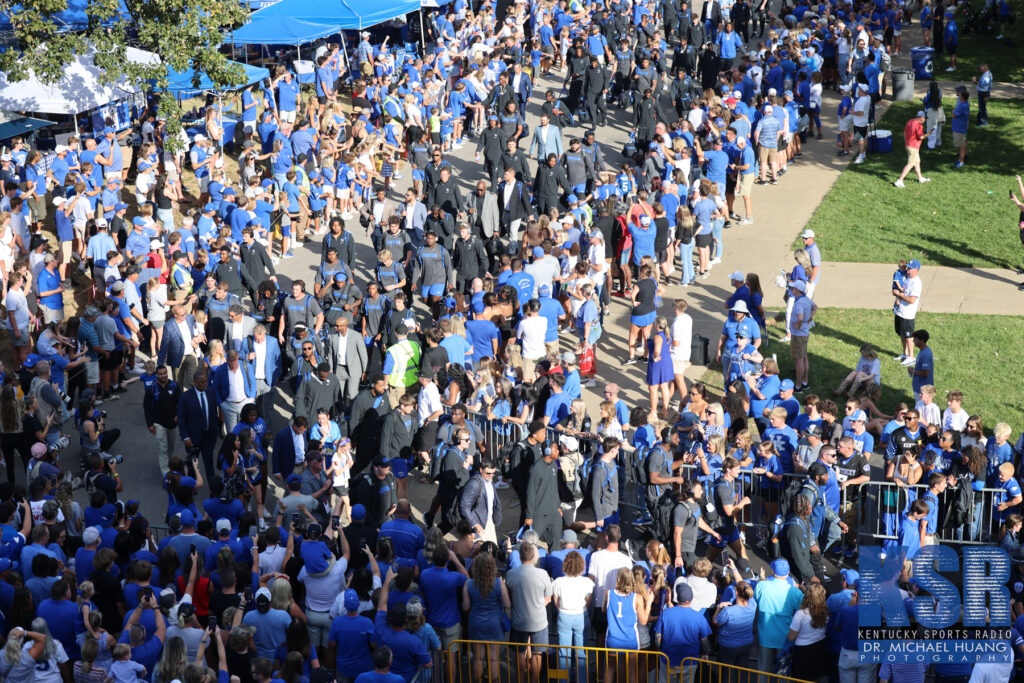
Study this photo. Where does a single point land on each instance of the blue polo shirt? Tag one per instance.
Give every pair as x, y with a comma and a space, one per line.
557, 407
482, 332
353, 635
924, 362
286, 93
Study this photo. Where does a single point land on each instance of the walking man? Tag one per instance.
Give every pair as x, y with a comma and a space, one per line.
913, 134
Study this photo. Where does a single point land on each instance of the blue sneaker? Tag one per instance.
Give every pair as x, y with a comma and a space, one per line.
288, 254
958, 164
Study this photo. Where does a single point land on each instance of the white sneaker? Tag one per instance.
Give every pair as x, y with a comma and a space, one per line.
900, 358
899, 183
924, 180
950, 69
908, 361
747, 221
501, 484
715, 261
859, 159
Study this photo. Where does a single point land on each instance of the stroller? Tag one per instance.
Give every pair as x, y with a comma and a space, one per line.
977, 22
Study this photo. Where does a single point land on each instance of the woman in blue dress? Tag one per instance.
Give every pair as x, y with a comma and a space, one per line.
624, 608
484, 597
660, 375
645, 290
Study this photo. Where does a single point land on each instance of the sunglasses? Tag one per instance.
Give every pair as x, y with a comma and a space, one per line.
307, 348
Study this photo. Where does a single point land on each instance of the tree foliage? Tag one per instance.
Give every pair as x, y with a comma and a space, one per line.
186, 34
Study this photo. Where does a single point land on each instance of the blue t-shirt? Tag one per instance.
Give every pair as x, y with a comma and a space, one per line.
643, 241
557, 407
924, 362
736, 625
483, 333
441, 596
353, 635
681, 630
270, 630
961, 113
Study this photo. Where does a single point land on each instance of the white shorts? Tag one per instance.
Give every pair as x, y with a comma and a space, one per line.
787, 137
172, 172
92, 372
286, 116
895, 32
329, 190
343, 194
845, 124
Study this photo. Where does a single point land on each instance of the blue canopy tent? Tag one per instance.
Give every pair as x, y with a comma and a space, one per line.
75, 17
340, 14
280, 31
21, 125
181, 84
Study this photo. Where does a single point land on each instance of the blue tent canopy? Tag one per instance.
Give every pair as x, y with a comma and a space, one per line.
334, 14
180, 82
76, 16
280, 31
21, 126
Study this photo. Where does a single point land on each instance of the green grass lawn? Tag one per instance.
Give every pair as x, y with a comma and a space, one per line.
973, 353
975, 48
963, 218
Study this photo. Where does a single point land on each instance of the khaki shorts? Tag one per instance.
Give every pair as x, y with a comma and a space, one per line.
52, 315
766, 155
913, 155
745, 185
959, 139
679, 366
65, 251
551, 347
366, 68
798, 347
92, 372
286, 116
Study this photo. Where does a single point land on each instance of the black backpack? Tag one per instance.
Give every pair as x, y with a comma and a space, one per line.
584, 473
708, 508
510, 457
665, 510
789, 494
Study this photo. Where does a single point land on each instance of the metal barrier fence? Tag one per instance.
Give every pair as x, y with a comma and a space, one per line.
693, 670
872, 516
472, 661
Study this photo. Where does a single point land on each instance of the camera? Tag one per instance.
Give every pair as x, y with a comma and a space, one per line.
193, 453
111, 459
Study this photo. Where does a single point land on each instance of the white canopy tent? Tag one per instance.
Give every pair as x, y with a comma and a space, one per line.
79, 90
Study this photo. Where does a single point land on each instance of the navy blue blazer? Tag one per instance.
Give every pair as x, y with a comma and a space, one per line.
190, 416
473, 504
272, 363
284, 451
220, 386
172, 346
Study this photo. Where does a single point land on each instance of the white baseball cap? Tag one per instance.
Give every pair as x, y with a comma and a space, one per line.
807, 234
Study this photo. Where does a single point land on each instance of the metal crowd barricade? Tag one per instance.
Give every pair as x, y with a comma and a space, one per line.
886, 502
503, 661
693, 670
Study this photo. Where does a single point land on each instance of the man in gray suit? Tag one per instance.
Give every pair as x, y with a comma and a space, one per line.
346, 353
414, 215
482, 211
238, 330
547, 139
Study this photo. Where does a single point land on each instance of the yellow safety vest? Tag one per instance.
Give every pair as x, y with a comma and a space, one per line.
406, 371
187, 282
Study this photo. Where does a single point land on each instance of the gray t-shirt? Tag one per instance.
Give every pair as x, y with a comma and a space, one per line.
291, 506
191, 636
106, 328
528, 586
22, 672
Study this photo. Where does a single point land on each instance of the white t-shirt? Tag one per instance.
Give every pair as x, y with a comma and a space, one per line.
48, 670
862, 104
531, 332
342, 464
18, 304
930, 414
596, 256
682, 332
912, 287
805, 633
429, 402
604, 566
704, 592
572, 592
955, 421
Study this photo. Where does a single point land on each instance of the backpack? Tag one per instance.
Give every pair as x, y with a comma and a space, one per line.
641, 476
440, 448
511, 458
709, 510
664, 511
362, 490
789, 494
584, 475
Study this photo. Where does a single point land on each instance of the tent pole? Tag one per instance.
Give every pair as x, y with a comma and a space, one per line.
344, 51
423, 34
74, 117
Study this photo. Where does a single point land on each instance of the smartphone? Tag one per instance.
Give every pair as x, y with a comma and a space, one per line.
212, 622
192, 549
362, 544
513, 538
295, 518
254, 532
335, 521
248, 595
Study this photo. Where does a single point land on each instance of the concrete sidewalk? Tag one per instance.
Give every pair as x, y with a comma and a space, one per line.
988, 291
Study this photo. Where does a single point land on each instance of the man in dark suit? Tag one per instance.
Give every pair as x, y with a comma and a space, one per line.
287, 443
233, 385
514, 205
522, 87
474, 506
238, 329
199, 422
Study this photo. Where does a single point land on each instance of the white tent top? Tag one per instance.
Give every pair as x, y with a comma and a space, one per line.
78, 90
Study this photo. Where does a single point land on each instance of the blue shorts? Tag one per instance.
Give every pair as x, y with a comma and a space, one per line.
579, 189
610, 519
286, 230
399, 467
418, 174
726, 538
643, 320
624, 256
433, 290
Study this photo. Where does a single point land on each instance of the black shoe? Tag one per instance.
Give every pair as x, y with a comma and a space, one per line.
120, 390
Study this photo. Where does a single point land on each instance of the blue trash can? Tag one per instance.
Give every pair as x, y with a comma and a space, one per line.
921, 58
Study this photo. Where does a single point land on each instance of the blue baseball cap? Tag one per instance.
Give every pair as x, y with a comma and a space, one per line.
450, 302
267, 182
913, 264
788, 93
351, 600
688, 419
5, 564
780, 567
120, 206
544, 290
138, 221
572, 199
228, 191
358, 511
851, 577
293, 479
109, 130
187, 518
858, 416
209, 208
538, 252
112, 180
786, 385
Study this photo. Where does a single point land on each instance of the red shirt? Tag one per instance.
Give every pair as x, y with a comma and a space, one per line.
913, 133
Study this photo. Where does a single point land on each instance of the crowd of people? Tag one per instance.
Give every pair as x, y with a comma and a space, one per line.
453, 358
